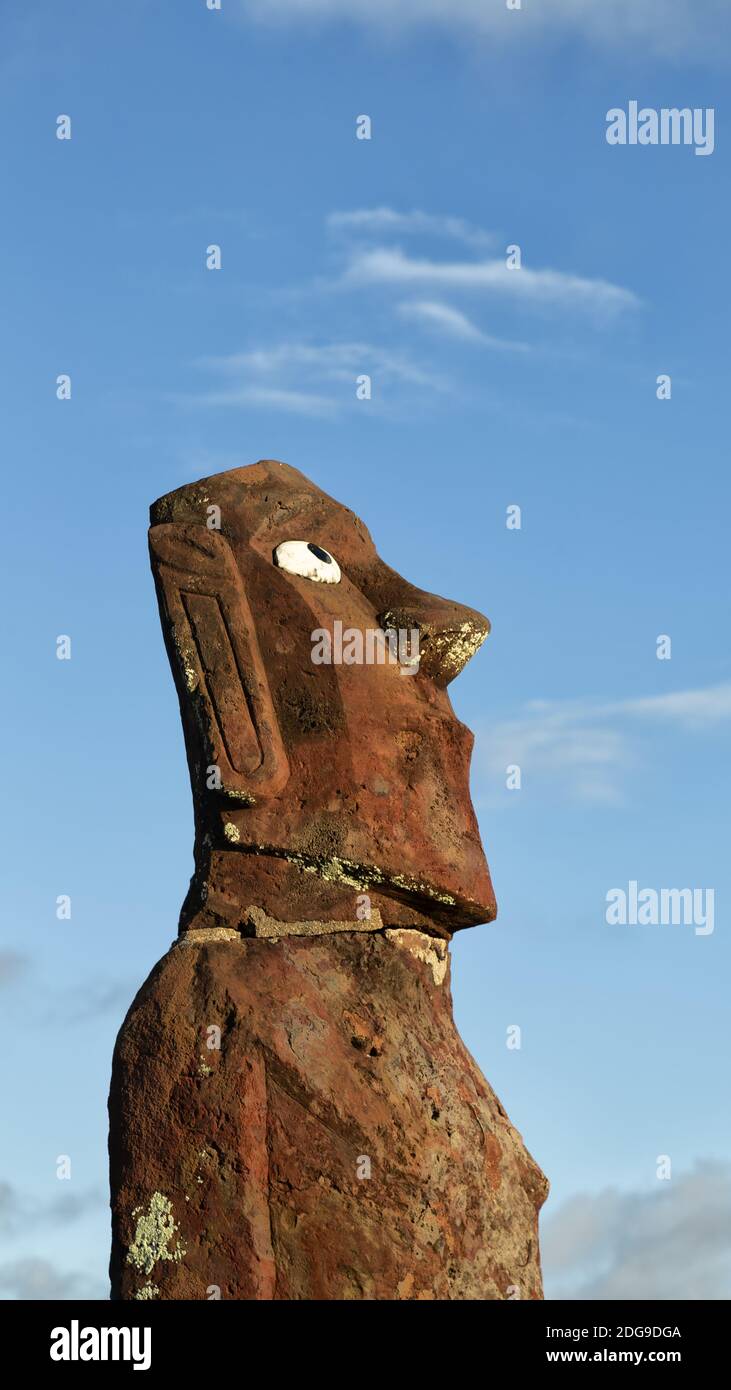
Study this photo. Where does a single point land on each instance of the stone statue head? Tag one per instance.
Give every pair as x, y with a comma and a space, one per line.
326, 761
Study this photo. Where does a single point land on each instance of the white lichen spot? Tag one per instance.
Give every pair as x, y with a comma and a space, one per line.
148, 1290
231, 832
454, 647
271, 929
362, 876
205, 935
413, 886
187, 660
243, 798
156, 1228
203, 1069
331, 870
428, 949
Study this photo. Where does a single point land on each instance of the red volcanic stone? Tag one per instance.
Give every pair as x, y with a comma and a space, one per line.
340, 1143
314, 781
292, 1112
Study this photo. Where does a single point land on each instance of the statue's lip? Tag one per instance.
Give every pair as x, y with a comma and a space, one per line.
451, 910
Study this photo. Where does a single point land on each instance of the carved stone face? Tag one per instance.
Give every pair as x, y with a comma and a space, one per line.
314, 784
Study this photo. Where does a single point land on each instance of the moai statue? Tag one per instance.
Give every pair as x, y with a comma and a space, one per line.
293, 1114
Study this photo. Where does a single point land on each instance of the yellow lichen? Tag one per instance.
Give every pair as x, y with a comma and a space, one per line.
204, 935
187, 661
148, 1290
244, 798
428, 949
336, 870
154, 1231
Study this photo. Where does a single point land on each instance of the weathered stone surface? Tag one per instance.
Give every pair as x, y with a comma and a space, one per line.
329, 780
337, 1141
336, 1052
257, 923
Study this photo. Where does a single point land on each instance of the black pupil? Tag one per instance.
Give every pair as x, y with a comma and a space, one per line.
321, 554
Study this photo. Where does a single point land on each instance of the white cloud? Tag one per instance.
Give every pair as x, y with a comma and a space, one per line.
319, 379
20, 1212
384, 221
694, 708
584, 748
670, 1243
390, 266
291, 376
271, 398
664, 28
452, 323
703, 706
35, 1279
329, 361
563, 745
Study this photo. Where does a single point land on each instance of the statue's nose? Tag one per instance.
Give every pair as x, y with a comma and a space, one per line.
449, 633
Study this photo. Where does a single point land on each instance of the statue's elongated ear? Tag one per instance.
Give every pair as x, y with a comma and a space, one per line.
217, 664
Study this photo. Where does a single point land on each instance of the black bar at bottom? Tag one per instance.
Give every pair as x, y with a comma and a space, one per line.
197, 1339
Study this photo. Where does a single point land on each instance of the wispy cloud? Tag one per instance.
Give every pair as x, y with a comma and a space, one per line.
391, 266
385, 221
271, 398
34, 1279
329, 361
452, 323
319, 379
565, 747
693, 708
584, 748
311, 379
93, 999
20, 1213
13, 964
662, 28
670, 1243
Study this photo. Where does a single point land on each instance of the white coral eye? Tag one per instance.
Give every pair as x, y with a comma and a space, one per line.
308, 560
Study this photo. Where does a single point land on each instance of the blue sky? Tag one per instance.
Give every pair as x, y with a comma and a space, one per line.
339, 257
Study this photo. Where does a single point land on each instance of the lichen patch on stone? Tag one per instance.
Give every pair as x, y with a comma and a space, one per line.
155, 1230
260, 924
198, 936
148, 1290
428, 949
243, 797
